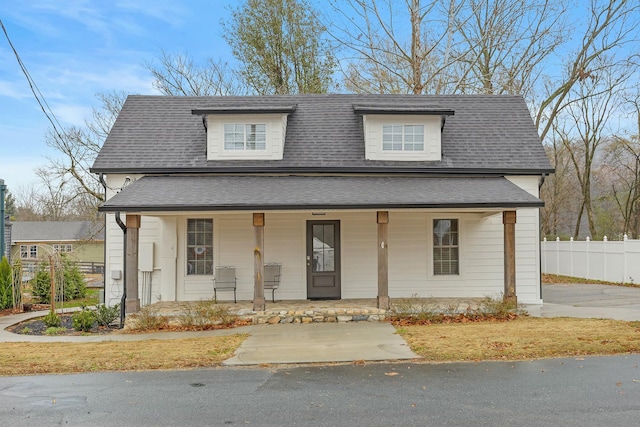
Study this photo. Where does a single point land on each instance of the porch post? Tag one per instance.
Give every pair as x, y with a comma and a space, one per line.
383, 260
132, 304
258, 263
509, 222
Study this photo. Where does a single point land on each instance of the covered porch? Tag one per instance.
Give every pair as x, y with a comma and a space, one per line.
362, 210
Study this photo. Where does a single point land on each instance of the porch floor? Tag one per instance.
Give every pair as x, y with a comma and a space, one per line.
314, 311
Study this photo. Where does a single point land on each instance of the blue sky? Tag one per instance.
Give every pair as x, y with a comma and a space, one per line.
74, 49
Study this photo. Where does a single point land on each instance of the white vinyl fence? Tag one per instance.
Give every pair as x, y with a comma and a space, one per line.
613, 261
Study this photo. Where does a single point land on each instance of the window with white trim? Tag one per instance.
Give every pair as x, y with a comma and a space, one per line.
199, 246
446, 249
245, 136
398, 137
62, 248
28, 251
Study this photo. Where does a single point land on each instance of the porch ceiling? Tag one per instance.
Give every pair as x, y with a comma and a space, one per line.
221, 193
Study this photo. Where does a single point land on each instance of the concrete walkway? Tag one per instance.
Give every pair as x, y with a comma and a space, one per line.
353, 341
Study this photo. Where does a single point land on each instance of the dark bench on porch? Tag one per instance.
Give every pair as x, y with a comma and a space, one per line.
272, 278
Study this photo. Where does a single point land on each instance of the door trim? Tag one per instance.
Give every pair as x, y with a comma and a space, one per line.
329, 292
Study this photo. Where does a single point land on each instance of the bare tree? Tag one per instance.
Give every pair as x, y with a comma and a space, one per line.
179, 75
623, 156
588, 126
79, 147
611, 29
280, 48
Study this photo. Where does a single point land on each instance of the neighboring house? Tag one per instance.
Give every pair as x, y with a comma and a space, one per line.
357, 196
81, 241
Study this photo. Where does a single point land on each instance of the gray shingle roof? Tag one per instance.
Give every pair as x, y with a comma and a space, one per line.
55, 231
189, 193
159, 134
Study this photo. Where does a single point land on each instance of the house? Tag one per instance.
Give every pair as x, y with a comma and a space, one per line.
356, 196
81, 241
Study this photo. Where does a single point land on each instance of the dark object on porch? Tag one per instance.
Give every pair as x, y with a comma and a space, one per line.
272, 278
224, 280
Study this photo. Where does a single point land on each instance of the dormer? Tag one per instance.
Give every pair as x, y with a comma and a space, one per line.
245, 133
404, 133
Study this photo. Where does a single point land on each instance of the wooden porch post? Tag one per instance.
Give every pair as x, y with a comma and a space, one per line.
258, 263
509, 222
383, 260
132, 304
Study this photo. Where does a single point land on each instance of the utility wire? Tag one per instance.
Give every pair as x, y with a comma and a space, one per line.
34, 88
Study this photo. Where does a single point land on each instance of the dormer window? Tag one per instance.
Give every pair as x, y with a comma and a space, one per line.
398, 137
249, 132
245, 136
410, 132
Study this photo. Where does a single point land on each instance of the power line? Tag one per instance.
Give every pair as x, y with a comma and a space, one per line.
34, 88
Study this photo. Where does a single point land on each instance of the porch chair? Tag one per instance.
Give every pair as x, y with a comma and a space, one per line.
272, 278
224, 280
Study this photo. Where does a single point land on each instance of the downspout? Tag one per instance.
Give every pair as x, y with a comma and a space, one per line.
104, 246
542, 178
124, 268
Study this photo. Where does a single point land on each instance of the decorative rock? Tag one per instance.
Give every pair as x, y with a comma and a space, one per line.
373, 318
360, 318
318, 319
288, 319
307, 319
345, 318
262, 320
274, 320
330, 319
296, 320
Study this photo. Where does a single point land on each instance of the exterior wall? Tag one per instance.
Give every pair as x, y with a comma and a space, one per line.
82, 251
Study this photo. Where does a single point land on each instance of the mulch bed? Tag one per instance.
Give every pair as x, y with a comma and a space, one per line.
37, 327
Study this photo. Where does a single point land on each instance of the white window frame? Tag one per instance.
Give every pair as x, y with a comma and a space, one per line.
254, 136
62, 248
28, 251
200, 244
450, 246
403, 132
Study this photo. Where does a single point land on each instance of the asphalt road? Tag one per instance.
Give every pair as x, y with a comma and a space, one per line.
596, 391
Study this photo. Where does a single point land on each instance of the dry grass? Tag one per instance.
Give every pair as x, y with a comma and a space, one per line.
554, 279
523, 338
59, 358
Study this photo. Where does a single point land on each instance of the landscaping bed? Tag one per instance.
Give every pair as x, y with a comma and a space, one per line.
37, 326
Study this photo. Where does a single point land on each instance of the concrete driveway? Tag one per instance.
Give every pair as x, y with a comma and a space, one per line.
588, 301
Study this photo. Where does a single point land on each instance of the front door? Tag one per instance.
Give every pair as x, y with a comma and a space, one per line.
323, 259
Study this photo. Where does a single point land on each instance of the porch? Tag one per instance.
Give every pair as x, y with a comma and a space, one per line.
307, 311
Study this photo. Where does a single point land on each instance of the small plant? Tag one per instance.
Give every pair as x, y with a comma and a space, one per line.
52, 320
83, 320
149, 319
26, 330
205, 313
106, 315
55, 331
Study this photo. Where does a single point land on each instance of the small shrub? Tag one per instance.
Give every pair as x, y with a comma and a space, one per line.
6, 283
149, 319
106, 315
205, 313
83, 320
26, 330
55, 331
52, 320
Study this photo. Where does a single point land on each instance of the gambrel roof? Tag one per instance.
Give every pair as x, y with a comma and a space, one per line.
485, 135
